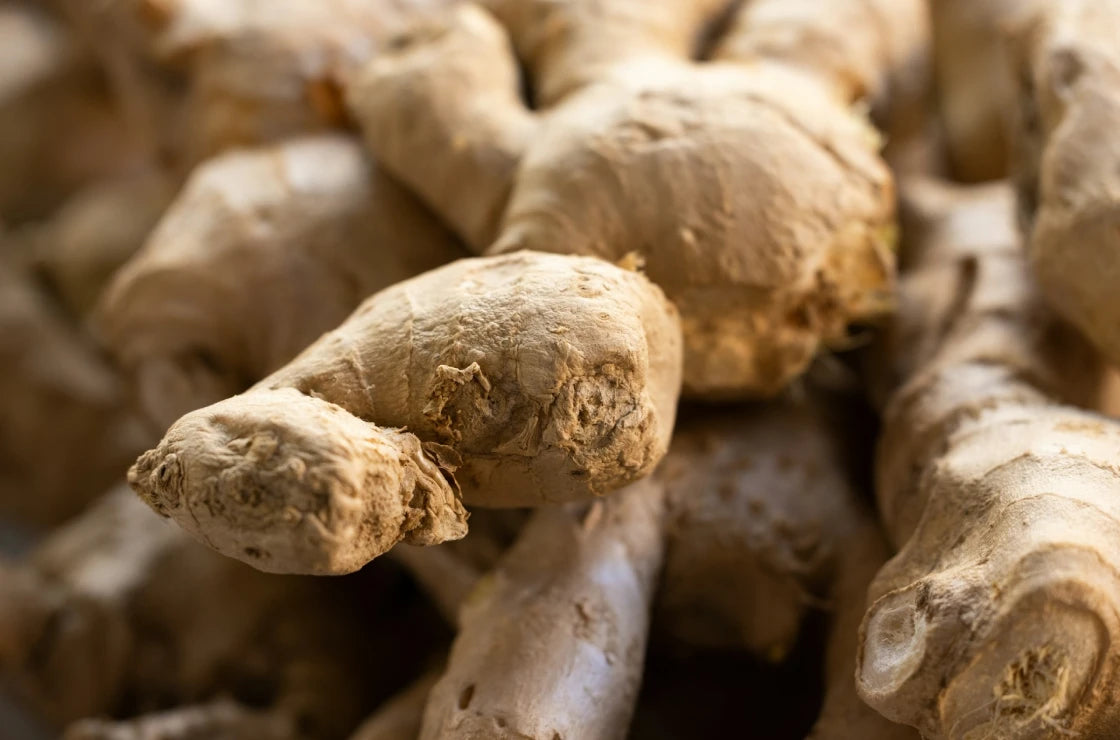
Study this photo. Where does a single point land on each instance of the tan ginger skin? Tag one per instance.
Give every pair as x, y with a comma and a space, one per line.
1000, 615
261, 252
775, 233
67, 428
517, 379
117, 609
252, 72
763, 526
552, 642
1066, 65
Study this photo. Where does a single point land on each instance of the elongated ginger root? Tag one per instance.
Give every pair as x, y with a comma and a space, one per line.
1000, 615
118, 611
518, 379
1067, 68
262, 251
253, 72
553, 641
725, 178
67, 429
763, 527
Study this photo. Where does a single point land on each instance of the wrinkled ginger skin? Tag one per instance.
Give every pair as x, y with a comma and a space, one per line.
262, 251
754, 196
1000, 615
552, 641
1067, 166
520, 379
763, 525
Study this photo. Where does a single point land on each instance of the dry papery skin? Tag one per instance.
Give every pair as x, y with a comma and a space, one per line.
1066, 66
763, 526
512, 380
552, 641
748, 186
261, 252
1000, 615
58, 127
118, 609
67, 429
201, 76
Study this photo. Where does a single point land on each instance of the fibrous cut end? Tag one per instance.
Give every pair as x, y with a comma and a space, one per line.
291, 483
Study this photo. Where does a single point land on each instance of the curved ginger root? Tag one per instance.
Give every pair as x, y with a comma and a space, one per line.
553, 640
763, 525
119, 611
524, 379
725, 178
1066, 64
261, 252
1000, 615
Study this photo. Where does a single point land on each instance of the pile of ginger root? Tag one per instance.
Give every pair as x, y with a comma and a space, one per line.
559, 369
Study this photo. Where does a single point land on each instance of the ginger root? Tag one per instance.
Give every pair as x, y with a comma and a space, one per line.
1066, 65
518, 379
722, 177
763, 527
1000, 615
261, 252
552, 642
201, 77
118, 612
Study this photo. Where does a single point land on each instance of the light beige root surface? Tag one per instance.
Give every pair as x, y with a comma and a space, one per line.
120, 611
262, 251
552, 641
764, 527
67, 431
198, 77
748, 186
502, 381
1000, 615
1066, 65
